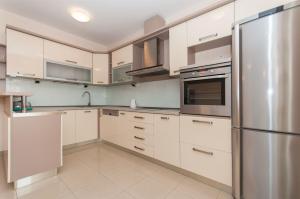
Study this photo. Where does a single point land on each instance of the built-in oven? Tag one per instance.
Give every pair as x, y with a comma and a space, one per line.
206, 90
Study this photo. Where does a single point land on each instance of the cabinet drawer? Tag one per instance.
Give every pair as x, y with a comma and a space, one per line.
142, 148
143, 138
206, 131
141, 128
141, 117
122, 56
212, 25
207, 162
68, 55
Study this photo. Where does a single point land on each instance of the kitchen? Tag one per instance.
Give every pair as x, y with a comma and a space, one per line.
193, 99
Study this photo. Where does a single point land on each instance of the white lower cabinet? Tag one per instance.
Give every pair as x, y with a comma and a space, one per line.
198, 144
166, 135
207, 162
108, 128
79, 126
205, 144
86, 125
68, 127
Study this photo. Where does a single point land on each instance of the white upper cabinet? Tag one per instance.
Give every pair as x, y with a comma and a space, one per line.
122, 56
100, 69
24, 55
178, 48
210, 26
246, 8
65, 54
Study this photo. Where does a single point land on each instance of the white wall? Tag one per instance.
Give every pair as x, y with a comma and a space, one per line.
8, 18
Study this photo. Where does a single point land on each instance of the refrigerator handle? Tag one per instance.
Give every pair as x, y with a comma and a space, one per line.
236, 115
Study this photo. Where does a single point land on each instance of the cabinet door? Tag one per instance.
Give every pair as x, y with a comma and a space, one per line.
68, 55
24, 55
68, 127
178, 48
166, 136
108, 128
86, 125
100, 69
123, 134
122, 56
246, 8
212, 25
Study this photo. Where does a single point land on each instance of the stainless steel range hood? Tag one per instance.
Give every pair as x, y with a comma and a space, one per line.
151, 57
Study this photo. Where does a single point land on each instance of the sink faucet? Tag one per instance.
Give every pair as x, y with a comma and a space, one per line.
87, 92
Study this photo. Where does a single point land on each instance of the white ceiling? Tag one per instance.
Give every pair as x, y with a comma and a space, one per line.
112, 20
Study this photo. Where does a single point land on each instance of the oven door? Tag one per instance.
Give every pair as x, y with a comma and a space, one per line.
209, 95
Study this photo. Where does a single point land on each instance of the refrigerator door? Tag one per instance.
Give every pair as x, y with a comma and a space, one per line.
270, 168
270, 69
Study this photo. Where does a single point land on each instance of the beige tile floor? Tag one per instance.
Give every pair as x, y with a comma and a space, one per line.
104, 172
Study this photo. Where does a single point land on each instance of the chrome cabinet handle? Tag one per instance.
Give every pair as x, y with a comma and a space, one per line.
27, 74
87, 111
139, 138
140, 128
100, 82
72, 79
203, 122
141, 149
122, 113
122, 62
164, 118
70, 61
64, 113
208, 37
138, 117
204, 152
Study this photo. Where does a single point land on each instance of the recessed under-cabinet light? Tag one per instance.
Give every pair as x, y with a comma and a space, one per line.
80, 15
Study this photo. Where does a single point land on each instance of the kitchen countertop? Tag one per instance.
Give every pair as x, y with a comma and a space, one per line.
154, 110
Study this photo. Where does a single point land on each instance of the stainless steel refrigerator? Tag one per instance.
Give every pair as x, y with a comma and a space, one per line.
266, 105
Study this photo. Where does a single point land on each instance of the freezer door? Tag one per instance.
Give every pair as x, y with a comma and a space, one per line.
270, 165
270, 69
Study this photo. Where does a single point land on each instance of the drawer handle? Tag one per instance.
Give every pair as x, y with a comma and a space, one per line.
87, 111
70, 61
141, 149
65, 113
203, 122
100, 82
204, 152
140, 128
164, 118
139, 138
120, 63
27, 74
208, 37
138, 117
122, 113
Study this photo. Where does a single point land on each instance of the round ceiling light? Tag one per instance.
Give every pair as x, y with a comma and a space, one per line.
80, 15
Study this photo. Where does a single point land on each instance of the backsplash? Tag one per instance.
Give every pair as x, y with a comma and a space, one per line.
47, 93
164, 93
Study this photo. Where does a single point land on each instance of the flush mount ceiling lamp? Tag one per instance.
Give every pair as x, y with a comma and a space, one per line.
80, 15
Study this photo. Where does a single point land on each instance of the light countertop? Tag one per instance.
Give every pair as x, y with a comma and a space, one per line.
153, 110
